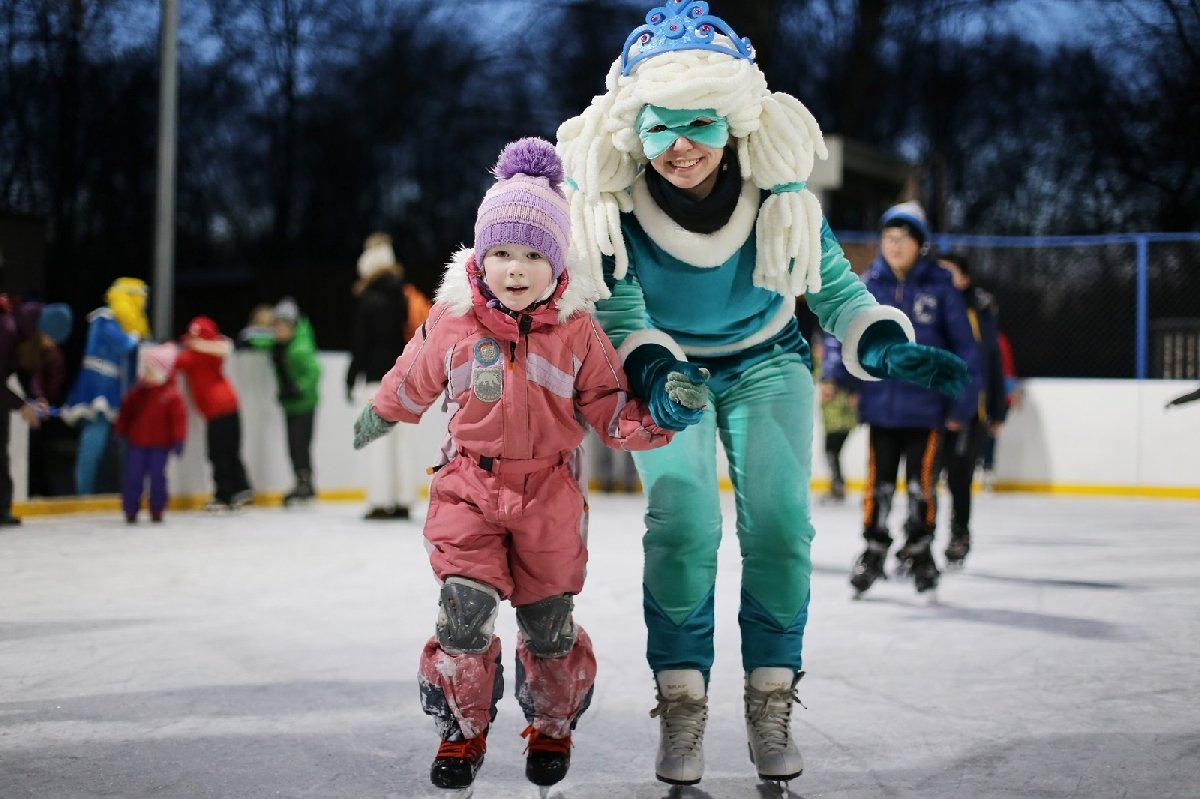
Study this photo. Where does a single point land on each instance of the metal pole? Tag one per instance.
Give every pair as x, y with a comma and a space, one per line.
1143, 306
164, 224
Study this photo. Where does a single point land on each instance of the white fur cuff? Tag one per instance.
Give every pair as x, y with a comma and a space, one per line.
862, 320
649, 336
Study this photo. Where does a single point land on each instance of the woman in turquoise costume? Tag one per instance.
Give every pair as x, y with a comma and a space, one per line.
702, 256
109, 370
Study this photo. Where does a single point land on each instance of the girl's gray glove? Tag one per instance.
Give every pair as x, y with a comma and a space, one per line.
688, 389
369, 426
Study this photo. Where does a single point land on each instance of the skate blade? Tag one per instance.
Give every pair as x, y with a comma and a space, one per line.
779, 786
458, 793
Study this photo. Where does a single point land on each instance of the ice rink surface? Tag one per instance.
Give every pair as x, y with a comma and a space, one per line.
273, 654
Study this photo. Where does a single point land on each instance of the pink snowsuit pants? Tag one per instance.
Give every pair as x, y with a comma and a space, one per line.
520, 527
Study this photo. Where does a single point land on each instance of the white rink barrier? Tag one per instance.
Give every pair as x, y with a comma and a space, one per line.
1070, 436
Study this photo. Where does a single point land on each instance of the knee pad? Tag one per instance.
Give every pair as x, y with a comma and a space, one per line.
466, 616
547, 625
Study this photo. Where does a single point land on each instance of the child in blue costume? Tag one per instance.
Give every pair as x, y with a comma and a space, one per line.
702, 256
108, 371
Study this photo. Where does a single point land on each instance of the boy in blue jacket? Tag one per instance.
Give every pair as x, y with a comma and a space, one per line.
906, 420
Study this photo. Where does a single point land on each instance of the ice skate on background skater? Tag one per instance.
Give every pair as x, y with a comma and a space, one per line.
915, 558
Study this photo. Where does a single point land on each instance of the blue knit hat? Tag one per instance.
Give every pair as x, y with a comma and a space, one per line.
55, 321
909, 216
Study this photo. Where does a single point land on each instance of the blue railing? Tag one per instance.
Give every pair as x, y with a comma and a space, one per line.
1141, 241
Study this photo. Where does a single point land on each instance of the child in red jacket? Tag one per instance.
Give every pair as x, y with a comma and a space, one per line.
153, 419
202, 362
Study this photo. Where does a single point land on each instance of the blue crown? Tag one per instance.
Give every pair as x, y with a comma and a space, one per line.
682, 25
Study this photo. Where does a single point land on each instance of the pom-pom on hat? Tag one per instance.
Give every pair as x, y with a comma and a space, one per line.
55, 321
203, 328
159, 360
526, 205
909, 216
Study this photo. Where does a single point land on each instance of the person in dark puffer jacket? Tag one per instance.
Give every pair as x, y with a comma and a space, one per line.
380, 333
906, 420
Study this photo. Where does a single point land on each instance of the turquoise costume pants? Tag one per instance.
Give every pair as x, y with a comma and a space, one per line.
93, 441
765, 423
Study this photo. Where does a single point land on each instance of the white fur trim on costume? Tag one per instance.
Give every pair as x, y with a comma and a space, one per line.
649, 336
73, 414
862, 320
785, 314
702, 250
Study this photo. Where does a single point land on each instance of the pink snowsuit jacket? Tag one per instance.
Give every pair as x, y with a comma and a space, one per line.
507, 509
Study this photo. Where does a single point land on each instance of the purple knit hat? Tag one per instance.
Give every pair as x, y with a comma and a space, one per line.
526, 205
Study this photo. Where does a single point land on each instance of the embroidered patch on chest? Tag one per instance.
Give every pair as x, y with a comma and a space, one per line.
487, 372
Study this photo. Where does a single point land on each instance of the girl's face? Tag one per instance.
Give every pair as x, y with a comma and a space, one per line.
517, 275
900, 250
690, 167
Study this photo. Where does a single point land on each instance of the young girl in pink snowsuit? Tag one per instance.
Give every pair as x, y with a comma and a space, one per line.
510, 344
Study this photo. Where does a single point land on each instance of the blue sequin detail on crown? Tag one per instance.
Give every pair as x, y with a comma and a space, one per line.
682, 25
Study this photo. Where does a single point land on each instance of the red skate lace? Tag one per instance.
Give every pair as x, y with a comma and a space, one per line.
468, 749
540, 742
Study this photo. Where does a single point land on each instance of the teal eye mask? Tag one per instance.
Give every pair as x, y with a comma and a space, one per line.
659, 127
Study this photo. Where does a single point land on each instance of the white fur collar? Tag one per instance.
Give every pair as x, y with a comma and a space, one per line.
703, 250
455, 289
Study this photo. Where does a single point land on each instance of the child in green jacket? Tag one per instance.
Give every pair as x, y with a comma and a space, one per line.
293, 348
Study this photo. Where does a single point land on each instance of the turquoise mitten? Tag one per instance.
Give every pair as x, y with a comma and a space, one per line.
369, 426
885, 352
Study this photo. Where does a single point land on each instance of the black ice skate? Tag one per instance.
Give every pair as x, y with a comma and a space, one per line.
959, 546
924, 571
546, 759
869, 566
458, 762
303, 492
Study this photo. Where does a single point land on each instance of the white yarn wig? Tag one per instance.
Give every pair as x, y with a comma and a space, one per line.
776, 138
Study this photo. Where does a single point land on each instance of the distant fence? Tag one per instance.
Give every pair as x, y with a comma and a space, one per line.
1116, 306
